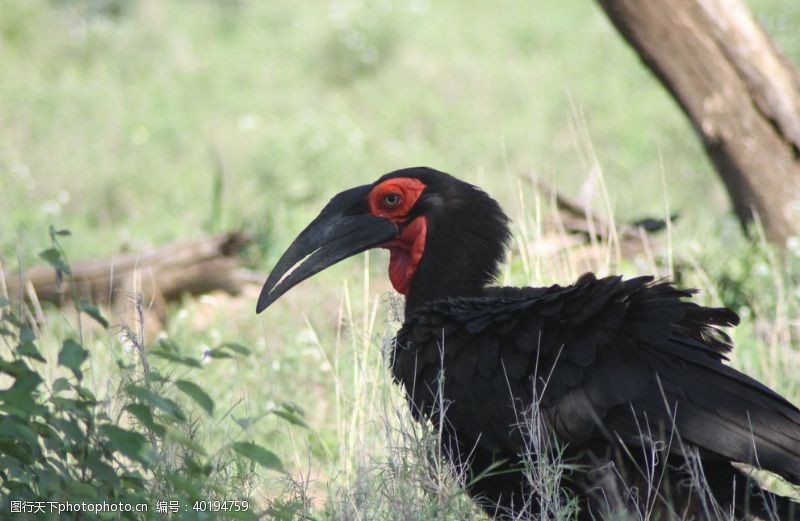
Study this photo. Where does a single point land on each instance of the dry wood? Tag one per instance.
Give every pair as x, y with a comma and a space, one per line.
577, 218
158, 274
741, 95
574, 239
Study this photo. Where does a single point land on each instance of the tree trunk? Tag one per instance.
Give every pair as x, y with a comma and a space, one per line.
740, 93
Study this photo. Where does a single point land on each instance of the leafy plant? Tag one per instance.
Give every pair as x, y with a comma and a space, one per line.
138, 453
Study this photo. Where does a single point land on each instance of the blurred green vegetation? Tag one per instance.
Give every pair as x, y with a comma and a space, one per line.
117, 114
136, 122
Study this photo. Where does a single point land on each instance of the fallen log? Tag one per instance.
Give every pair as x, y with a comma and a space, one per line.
573, 238
152, 277
578, 218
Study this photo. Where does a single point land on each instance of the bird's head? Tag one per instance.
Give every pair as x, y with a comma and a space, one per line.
445, 237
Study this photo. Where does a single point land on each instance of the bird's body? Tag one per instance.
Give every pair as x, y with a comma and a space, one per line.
625, 379
608, 364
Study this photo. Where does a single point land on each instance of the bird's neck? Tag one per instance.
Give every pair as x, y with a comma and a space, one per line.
454, 249
428, 289
458, 265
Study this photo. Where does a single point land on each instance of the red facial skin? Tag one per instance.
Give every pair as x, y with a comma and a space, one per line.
392, 200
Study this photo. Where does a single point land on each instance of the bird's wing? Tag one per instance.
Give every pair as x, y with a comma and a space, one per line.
603, 358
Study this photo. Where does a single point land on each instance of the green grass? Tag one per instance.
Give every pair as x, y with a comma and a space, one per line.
118, 118
113, 123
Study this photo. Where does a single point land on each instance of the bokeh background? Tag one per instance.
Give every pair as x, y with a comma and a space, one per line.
114, 112
137, 122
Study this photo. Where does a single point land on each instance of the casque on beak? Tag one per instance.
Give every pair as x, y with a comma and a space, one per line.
342, 229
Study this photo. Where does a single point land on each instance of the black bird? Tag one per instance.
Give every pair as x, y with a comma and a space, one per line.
628, 377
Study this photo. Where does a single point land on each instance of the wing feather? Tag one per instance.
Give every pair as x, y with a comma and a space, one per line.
599, 358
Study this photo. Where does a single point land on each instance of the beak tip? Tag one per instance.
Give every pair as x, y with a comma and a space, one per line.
264, 301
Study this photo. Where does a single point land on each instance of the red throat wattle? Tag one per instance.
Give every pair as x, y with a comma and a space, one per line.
405, 253
394, 199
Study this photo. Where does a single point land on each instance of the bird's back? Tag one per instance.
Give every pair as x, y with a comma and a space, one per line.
603, 361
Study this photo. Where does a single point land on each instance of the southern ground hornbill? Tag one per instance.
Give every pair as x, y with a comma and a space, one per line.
627, 376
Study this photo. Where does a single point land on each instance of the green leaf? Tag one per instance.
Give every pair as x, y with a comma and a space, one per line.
72, 356
78, 489
172, 357
86, 395
142, 413
30, 350
54, 258
237, 348
3, 302
11, 448
134, 480
123, 366
131, 444
87, 307
218, 353
101, 470
26, 334
185, 441
18, 369
70, 428
166, 344
12, 319
185, 486
165, 404
259, 454
154, 377
18, 432
61, 384
291, 414
22, 396
196, 393
45, 430
77, 407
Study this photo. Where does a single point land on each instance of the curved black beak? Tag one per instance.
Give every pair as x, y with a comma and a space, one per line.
342, 229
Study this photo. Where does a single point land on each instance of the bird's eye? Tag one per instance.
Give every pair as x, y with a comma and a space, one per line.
391, 199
